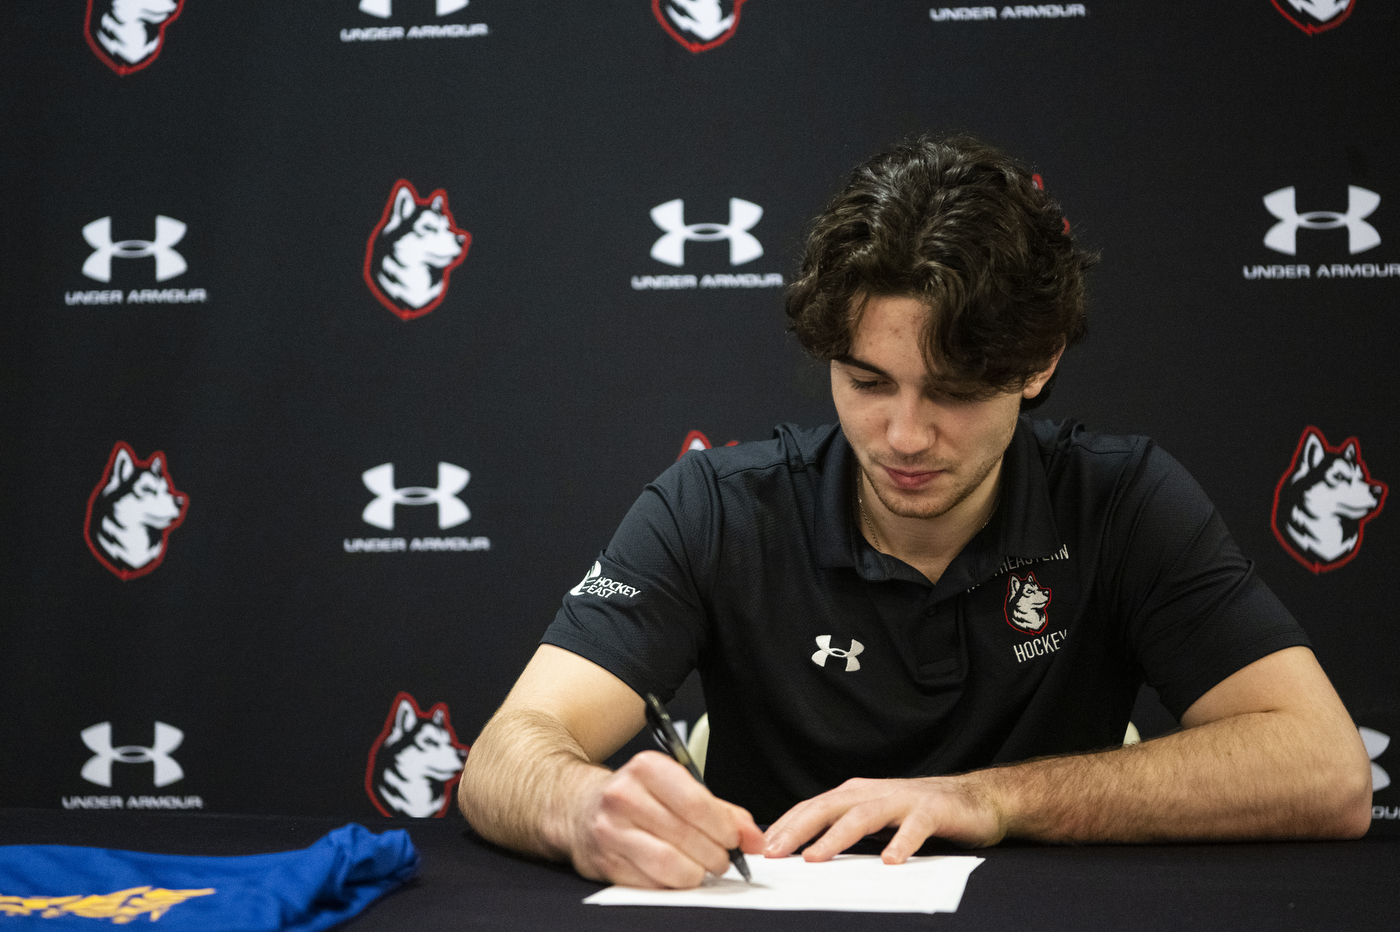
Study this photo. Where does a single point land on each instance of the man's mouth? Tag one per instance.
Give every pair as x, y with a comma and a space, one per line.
911, 479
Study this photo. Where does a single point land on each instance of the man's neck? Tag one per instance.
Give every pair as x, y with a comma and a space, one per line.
927, 544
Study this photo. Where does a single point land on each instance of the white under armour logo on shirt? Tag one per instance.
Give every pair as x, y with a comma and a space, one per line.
824, 642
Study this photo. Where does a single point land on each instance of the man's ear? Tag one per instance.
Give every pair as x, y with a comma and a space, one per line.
1037, 381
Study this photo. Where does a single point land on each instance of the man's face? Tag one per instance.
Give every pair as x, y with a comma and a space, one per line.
923, 453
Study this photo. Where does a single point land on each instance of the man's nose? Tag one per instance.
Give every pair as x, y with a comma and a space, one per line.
911, 428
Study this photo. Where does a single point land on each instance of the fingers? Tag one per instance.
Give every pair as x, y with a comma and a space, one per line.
913, 832
637, 858
854, 824
792, 829
669, 815
803, 821
655, 825
674, 787
750, 836
918, 808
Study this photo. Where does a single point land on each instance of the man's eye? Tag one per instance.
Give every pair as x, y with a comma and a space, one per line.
864, 386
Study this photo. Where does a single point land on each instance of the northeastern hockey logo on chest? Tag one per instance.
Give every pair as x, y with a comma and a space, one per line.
1027, 609
1027, 604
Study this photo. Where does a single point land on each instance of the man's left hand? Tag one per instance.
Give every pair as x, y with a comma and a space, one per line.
1268, 752
959, 809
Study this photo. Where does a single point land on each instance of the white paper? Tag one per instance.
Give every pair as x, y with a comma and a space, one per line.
848, 882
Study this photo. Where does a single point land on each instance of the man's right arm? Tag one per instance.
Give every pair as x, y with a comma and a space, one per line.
534, 782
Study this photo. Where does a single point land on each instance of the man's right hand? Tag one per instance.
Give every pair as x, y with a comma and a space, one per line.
534, 782
650, 824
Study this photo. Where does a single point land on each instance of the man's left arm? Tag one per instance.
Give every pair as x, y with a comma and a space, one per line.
1268, 753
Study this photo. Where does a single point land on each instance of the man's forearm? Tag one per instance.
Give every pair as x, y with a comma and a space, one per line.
523, 781
1267, 778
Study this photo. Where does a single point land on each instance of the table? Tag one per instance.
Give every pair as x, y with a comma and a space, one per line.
467, 883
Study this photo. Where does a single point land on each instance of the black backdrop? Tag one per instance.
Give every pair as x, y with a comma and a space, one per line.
561, 367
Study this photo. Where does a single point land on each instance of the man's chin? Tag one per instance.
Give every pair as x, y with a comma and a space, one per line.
921, 504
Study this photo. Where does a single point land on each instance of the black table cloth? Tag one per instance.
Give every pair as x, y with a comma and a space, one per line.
467, 883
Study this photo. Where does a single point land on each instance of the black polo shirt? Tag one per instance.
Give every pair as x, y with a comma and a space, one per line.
821, 658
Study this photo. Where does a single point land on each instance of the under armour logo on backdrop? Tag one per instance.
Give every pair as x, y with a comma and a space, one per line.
824, 642
98, 769
452, 511
169, 263
743, 245
1283, 236
385, 8
1376, 743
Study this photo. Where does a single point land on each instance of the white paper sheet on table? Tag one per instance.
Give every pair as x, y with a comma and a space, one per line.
849, 883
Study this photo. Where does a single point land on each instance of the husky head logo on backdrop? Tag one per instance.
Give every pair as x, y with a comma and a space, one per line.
131, 513
699, 25
1039, 183
696, 440
1026, 604
1314, 16
127, 35
1323, 501
413, 250
415, 762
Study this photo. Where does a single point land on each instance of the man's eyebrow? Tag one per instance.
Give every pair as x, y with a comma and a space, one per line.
849, 360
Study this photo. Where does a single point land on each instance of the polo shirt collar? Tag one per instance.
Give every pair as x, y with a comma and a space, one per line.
1024, 522
1022, 527
837, 539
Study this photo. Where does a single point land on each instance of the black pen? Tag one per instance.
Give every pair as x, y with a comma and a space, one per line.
665, 734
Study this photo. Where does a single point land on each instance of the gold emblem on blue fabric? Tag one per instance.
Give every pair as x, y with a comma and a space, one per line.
120, 907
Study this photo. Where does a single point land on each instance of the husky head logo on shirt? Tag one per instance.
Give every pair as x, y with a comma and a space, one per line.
415, 762
1026, 604
1323, 501
127, 34
131, 513
699, 25
413, 250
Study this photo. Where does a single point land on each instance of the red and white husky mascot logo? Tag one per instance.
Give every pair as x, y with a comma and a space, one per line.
1323, 501
695, 440
127, 35
1314, 16
413, 250
415, 762
1026, 604
699, 25
131, 513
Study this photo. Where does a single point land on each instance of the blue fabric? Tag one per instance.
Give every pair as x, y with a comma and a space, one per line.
63, 887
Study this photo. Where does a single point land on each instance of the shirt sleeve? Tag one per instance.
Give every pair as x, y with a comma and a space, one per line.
1196, 610
640, 612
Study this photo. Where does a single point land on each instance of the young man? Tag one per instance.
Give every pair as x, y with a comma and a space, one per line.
934, 618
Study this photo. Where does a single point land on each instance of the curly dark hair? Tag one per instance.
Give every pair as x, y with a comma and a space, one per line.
962, 227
